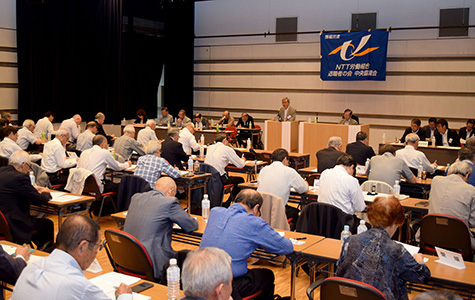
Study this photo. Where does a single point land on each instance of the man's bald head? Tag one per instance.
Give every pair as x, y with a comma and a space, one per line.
77, 119
167, 186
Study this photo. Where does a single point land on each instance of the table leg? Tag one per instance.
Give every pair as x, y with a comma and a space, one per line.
293, 271
189, 198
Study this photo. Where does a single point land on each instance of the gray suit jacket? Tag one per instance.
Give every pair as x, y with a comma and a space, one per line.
150, 219
291, 114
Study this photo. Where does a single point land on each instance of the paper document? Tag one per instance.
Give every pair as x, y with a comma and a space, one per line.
109, 281
11, 251
412, 249
251, 162
370, 198
131, 168
183, 173
66, 198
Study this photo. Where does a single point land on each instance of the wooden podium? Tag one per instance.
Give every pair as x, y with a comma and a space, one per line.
281, 135
314, 136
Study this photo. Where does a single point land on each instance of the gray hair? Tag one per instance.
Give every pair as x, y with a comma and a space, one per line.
62, 132
150, 122
18, 158
437, 295
152, 146
76, 229
129, 129
412, 138
190, 124
204, 270
173, 131
334, 141
28, 123
99, 115
459, 167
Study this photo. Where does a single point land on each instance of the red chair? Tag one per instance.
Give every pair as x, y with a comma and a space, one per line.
338, 288
231, 137
127, 255
5, 233
445, 231
91, 188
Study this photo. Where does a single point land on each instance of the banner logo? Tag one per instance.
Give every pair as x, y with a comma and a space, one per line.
344, 49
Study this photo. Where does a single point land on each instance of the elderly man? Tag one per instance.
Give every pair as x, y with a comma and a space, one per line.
150, 219
97, 159
9, 144
73, 126
347, 118
54, 160
60, 276
200, 121
16, 195
188, 140
99, 119
151, 166
148, 133
85, 138
44, 128
226, 120
412, 157
388, 168
360, 150
207, 275
239, 231
416, 129
446, 136
339, 188
165, 119
431, 129
126, 144
13, 265
3, 125
467, 154
286, 112
26, 137
172, 150
182, 119
245, 121
326, 158
467, 132
8, 116
452, 195
219, 156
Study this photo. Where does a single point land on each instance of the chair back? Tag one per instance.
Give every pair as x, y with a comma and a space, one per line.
231, 136
5, 233
92, 188
338, 288
127, 254
129, 186
445, 231
381, 187
273, 211
3, 161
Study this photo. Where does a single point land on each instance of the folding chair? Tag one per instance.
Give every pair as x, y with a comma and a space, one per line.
92, 188
5, 233
338, 288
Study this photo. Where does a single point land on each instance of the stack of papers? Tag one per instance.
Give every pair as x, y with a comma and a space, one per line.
109, 281
131, 168
63, 197
370, 198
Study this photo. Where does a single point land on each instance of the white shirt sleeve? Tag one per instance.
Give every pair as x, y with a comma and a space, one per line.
62, 161
298, 183
358, 197
234, 158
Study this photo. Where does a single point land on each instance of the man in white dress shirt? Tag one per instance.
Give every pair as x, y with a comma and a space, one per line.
73, 126
9, 144
26, 137
188, 140
85, 138
97, 159
60, 275
148, 133
413, 157
45, 126
339, 188
54, 161
219, 156
278, 178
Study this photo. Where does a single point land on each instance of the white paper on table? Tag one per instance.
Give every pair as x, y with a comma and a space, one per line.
449, 258
131, 168
281, 233
125, 213
107, 283
251, 162
66, 198
297, 242
412, 249
57, 194
11, 251
370, 198
360, 170
315, 170
95, 267
176, 226
183, 173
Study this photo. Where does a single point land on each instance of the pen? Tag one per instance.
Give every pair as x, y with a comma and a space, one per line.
302, 238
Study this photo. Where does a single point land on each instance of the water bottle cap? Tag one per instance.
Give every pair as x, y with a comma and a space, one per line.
205, 196
347, 227
31, 172
397, 181
362, 222
172, 261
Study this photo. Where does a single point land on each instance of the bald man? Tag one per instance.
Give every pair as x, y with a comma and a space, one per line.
150, 219
73, 126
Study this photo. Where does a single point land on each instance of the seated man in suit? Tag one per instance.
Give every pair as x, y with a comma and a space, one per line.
452, 195
286, 112
172, 150
150, 219
85, 138
388, 168
126, 144
226, 120
99, 119
431, 129
182, 119
360, 150
446, 136
165, 118
16, 195
347, 118
245, 121
415, 128
467, 132
327, 157
54, 159
201, 122
339, 188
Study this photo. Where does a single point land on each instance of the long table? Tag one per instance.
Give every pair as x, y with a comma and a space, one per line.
302, 160
443, 155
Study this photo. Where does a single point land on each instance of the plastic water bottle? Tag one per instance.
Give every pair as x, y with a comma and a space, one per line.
123, 122
419, 171
316, 118
362, 227
190, 164
49, 136
202, 151
32, 178
384, 138
43, 135
202, 139
366, 164
447, 169
345, 234
197, 166
432, 140
397, 189
173, 280
205, 205
168, 124
248, 144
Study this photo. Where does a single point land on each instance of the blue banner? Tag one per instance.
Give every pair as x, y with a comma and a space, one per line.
359, 55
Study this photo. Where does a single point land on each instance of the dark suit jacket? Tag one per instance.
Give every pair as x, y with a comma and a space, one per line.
250, 120
463, 133
452, 138
360, 152
100, 130
421, 133
16, 195
426, 130
173, 152
10, 270
327, 158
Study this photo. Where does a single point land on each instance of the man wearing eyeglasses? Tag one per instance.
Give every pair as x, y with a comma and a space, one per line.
60, 275
16, 195
239, 231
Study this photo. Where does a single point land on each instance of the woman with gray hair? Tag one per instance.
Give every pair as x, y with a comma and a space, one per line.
151, 166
